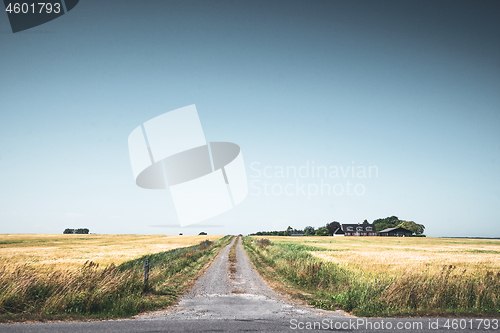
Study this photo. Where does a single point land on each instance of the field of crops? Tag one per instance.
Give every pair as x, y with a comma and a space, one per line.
396, 255
45, 277
65, 251
385, 276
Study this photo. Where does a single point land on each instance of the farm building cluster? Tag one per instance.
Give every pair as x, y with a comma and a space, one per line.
369, 230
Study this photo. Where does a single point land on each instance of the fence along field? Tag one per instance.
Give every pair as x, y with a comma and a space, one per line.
94, 276
382, 276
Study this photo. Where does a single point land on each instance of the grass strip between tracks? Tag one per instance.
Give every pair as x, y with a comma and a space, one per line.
232, 259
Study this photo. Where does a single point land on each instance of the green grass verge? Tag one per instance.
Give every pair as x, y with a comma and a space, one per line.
92, 292
328, 286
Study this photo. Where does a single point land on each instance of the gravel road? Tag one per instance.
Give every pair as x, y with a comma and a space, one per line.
216, 296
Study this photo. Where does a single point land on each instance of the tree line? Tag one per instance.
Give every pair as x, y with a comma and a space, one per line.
330, 228
76, 231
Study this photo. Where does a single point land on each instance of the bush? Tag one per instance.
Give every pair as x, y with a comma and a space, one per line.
205, 244
263, 242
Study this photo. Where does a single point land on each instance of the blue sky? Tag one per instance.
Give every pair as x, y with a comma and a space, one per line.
411, 87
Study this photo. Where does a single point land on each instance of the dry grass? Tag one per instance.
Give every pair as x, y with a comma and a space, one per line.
71, 251
378, 276
395, 255
31, 290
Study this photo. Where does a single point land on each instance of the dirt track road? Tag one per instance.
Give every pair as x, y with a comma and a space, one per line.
216, 296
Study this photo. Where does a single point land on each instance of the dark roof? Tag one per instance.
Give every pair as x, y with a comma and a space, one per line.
338, 231
355, 225
395, 228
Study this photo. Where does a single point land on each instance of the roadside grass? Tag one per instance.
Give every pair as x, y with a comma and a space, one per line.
328, 285
95, 291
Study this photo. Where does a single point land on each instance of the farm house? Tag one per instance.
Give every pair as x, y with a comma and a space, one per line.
359, 229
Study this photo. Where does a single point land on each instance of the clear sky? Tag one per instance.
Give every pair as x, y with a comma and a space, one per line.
410, 88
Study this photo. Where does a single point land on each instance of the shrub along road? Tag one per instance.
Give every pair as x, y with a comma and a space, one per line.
225, 301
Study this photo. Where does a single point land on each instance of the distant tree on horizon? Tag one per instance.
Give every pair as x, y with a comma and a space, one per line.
332, 226
309, 231
418, 229
394, 221
76, 231
323, 231
388, 222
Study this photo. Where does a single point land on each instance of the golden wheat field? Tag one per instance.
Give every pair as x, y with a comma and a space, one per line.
67, 251
394, 255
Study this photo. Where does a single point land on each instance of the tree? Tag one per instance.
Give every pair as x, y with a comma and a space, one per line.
288, 231
309, 231
332, 227
365, 222
76, 231
323, 231
388, 222
202, 233
180, 233
394, 221
418, 229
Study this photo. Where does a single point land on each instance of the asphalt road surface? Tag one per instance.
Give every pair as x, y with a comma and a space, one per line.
219, 303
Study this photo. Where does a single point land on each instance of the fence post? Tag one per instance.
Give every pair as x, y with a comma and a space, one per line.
146, 271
